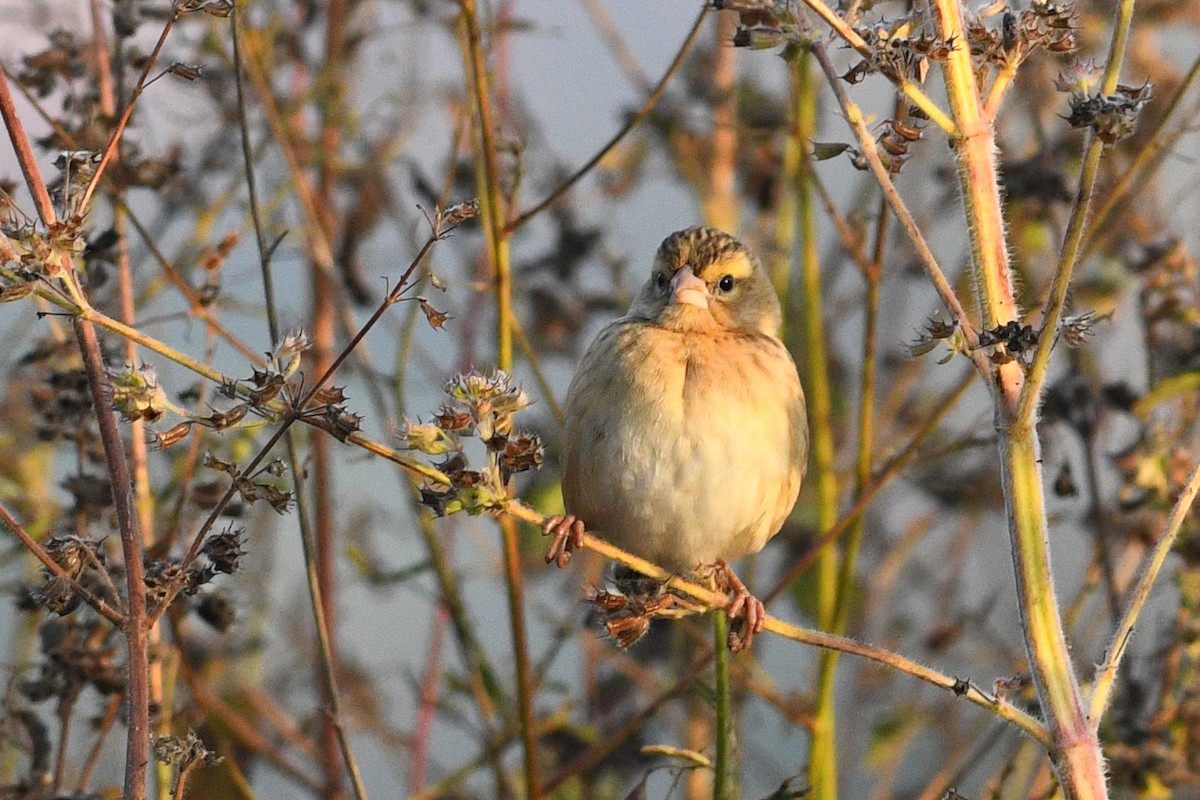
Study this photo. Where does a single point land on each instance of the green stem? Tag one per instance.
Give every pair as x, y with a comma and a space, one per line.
866, 425
1073, 240
1075, 750
1116, 649
721, 680
493, 217
823, 753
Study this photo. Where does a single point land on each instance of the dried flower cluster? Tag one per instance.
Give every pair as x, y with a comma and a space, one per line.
480, 406
636, 601
1045, 25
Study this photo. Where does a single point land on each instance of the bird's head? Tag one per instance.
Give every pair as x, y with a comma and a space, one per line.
703, 277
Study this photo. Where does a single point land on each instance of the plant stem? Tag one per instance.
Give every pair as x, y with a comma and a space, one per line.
961, 687
137, 748
1075, 751
493, 217
1107, 673
721, 681
1073, 239
822, 768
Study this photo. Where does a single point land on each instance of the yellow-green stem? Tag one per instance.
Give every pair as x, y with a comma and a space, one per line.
976, 151
866, 435
493, 216
1073, 240
721, 686
1075, 750
822, 767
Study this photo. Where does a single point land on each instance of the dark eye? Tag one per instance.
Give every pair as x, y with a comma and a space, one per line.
660, 280
726, 284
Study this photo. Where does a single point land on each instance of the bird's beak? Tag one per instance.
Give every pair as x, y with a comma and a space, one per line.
687, 289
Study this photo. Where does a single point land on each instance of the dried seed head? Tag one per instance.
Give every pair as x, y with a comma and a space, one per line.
218, 610
435, 318
136, 393
459, 213
453, 420
57, 595
161, 579
523, 452
339, 422
1111, 117
73, 553
1077, 329
224, 549
183, 751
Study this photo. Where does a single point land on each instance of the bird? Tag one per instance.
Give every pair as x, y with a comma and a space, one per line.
686, 433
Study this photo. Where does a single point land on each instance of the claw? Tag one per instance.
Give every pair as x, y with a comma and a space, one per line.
746, 612
567, 533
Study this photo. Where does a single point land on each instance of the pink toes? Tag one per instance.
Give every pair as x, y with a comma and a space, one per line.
567, 533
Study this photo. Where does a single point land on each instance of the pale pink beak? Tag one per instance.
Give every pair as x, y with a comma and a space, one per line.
687, 289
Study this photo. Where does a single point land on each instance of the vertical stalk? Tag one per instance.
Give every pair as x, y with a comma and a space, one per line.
493, 215
866, 420
137, 747
333, 80
137, 691
719, 201
721, 686
1075, 751
719, 208
110, 88
822, 768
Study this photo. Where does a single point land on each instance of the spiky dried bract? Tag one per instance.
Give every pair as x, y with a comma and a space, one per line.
224, 549
183, 750
636, 601
483, 406
1110, 116
136, 393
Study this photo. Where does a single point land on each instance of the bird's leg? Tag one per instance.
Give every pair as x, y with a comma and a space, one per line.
567, 531
745, 611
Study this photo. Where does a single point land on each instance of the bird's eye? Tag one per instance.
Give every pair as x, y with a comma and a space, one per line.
726, 284
660, 280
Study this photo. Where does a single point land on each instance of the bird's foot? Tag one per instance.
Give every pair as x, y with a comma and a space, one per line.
567, 532
746, 612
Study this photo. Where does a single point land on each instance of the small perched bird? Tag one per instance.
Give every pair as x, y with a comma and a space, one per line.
686, 435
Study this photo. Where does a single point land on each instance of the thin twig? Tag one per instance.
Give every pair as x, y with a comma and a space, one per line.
111, 149
646, 108
854, 117
25, 156
841, 644
906, 87
1117, 647
1031, 395
32, 545
137, 753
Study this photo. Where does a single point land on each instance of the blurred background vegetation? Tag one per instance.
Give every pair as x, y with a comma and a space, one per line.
300, 166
